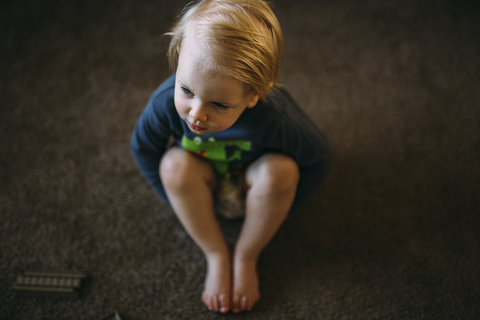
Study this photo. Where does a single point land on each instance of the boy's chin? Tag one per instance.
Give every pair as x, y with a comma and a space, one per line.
200, 133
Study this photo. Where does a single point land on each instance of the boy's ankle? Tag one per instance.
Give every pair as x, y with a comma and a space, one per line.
217, 256
245, 257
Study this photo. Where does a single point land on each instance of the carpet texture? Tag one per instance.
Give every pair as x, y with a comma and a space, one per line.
393, 233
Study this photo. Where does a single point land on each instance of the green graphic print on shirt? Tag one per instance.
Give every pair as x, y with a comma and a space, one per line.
216, 151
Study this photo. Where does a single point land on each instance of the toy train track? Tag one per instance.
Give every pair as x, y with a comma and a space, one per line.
49, 283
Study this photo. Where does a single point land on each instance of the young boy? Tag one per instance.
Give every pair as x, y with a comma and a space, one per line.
243, 146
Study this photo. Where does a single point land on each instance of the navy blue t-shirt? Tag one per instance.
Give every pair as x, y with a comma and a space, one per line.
277, 125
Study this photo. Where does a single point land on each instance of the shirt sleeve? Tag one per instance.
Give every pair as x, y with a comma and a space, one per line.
298, 137
151, 135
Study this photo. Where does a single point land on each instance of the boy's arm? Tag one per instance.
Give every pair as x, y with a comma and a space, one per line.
300, 138
313, 156
150, 139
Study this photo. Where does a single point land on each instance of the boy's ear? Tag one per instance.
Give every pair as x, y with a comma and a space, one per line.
253, 101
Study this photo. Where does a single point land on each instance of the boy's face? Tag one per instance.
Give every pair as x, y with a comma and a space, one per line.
207, 100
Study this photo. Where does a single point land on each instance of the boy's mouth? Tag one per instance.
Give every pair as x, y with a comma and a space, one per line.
195, 127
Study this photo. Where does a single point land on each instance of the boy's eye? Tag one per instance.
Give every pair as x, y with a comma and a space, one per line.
221, 106
186, 91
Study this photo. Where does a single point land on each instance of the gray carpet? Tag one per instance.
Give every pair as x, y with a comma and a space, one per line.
391, 234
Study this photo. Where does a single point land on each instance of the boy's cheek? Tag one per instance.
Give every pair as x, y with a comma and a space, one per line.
180, 112
178, 105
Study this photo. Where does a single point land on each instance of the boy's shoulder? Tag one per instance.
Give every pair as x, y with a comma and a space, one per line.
280, 113
166, 88
162, 99
279, 104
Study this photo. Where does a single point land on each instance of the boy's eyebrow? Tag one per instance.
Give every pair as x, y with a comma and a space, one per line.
181, 82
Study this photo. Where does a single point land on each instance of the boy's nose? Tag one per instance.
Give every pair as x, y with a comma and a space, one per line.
198, 113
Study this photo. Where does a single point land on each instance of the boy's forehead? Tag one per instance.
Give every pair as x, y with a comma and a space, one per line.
196, 59
211, 84
191, 61
193, 42
195, 53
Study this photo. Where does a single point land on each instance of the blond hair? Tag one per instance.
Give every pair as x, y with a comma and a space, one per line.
243, 38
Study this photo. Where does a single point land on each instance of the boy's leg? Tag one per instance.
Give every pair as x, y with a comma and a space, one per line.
272, 182
189, 183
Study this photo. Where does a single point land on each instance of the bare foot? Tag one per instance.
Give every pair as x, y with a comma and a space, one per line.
216, 293
245, 285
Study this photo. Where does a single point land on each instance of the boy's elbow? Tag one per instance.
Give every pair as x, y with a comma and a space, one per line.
135, 148
133, 144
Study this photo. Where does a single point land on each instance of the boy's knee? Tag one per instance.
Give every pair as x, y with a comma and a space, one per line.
277, 172
174, 168
179, 169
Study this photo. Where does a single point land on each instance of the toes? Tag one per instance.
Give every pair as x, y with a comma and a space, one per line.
236, 304
243, 303
215, 303
224, 303
219, 303
247, 304
206, 300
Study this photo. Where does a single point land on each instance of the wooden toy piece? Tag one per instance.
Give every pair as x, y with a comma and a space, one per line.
49, 283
